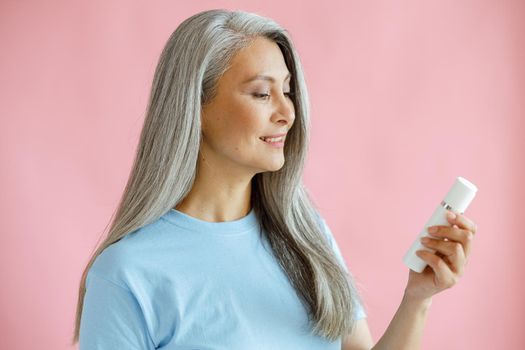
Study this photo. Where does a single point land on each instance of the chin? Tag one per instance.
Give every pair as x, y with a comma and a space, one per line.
275, 167
269, 168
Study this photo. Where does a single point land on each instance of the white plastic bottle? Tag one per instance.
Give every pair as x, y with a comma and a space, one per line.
457, 200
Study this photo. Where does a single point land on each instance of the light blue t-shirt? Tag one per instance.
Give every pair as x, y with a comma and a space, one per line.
184, 283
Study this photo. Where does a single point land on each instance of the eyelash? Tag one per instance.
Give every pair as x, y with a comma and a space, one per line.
263, 96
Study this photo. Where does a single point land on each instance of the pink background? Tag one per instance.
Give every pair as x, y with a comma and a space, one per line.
405, 96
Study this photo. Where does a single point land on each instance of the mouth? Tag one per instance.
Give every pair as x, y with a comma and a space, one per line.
276, 141
272, 139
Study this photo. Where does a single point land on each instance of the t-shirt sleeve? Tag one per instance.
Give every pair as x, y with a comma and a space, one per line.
111, 318
359, 310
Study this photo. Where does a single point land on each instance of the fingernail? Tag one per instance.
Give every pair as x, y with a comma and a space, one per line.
451, 215
432, 229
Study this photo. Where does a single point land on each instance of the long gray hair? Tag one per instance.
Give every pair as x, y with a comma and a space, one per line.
196, 55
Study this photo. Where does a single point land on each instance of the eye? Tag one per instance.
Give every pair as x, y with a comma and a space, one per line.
265, 96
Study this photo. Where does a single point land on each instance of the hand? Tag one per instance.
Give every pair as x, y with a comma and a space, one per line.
453, 246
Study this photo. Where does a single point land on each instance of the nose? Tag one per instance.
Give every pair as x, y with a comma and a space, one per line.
285, 111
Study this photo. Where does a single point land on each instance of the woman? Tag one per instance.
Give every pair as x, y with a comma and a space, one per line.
216, 243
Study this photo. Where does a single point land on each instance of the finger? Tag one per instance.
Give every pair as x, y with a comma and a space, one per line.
445, 277
452, 251
463, 222
456, 234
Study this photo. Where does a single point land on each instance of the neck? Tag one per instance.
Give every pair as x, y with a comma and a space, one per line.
217, 198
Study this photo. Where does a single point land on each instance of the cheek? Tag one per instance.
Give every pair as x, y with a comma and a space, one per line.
237, 138
244, 126
237, 127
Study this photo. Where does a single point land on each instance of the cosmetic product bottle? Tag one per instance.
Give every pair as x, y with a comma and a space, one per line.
457, 200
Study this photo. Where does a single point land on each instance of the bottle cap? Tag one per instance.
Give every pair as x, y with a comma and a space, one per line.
460, 195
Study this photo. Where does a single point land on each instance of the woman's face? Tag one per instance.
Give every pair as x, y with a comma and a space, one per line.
247, 108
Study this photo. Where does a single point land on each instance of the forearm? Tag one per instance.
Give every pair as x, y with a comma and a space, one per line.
406, 328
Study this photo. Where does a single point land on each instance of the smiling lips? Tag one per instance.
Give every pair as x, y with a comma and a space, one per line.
274, 140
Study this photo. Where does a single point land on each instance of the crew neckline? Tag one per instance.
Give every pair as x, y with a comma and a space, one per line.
183, 220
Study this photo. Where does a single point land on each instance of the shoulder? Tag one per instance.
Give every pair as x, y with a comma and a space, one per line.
123, 260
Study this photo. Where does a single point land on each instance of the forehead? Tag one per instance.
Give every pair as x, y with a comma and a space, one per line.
261, 58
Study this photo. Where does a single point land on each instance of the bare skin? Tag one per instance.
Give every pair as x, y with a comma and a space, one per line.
232, 152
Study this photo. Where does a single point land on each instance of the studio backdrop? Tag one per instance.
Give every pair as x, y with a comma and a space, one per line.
405, 96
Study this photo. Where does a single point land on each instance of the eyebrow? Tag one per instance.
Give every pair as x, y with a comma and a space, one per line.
264, 77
